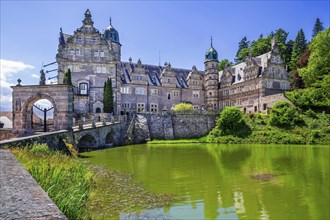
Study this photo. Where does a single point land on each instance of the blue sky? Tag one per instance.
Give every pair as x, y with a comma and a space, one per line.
179, 30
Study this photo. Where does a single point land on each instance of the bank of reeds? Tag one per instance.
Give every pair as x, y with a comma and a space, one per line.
67, 180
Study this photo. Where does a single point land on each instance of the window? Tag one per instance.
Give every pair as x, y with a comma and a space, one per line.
93, 41
80, 40
196, 107
140, 91
168, 80
153, 107
98, 110
96, 53
73, 68
265, 106
154, 92
140, 107
125, 90
176, 93
72, 51
101, 69
101, 53
104, 69
168, 96
83, 89
195, 94
255, 108
125, 105
77, 51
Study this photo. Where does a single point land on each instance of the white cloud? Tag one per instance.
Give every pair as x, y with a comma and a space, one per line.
8, 68
35, 76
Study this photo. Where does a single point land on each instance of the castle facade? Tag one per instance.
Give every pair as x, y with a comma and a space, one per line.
93, 57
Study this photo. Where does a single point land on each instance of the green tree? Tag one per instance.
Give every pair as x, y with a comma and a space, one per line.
261, 46
231, 121
67, 78
318, 27
283, 115
183, 107
319, 60
288, 53
108, 97
243, 44
224, 63
299, 47
243, 54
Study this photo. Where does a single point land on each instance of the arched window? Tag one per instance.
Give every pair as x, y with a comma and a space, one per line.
98, 110
83, 89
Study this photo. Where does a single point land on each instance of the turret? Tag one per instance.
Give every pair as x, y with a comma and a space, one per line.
211, 78
111, 35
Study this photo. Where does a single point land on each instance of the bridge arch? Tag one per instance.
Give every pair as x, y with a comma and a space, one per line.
60, 96
109, 138
28, 105
86, 142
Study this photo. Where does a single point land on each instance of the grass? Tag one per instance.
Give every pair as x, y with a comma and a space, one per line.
82, 191
67, 181
313, 129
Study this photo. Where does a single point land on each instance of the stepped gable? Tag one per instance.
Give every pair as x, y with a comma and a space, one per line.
238, 70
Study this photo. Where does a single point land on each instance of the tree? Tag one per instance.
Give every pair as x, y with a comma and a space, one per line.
296, 81
318, 27
281, 37
299, 47
183, 107
231, 121
261, 46
224, 63
319, 60
288, 52
67, 78
243, 44
283, 115
108, 97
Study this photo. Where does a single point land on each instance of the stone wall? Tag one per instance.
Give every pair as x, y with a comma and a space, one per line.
179, 126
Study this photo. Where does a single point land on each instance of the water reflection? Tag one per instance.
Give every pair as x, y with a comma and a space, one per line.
213, 181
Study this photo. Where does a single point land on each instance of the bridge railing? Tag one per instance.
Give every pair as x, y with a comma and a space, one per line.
97, 121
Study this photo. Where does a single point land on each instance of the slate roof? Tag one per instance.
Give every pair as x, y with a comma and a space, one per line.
154, 72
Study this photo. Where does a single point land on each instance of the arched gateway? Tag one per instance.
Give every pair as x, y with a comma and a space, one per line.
60, 96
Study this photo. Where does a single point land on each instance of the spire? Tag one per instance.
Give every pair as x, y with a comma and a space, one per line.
110, 20
211, 41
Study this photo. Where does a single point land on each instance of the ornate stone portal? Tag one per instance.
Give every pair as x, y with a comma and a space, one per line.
61, 97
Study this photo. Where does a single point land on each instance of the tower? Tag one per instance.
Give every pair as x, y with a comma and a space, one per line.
211, 78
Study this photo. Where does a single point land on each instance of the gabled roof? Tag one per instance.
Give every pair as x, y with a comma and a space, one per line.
154, 72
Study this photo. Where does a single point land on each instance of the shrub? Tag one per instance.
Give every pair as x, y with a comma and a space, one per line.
183, 107
231, 121
284, 115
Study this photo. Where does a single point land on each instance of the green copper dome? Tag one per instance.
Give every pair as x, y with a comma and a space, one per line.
211, 54
110, 33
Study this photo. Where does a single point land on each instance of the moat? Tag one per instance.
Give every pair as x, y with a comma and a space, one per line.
213, 181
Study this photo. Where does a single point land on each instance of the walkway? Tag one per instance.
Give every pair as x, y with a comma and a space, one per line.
21, 196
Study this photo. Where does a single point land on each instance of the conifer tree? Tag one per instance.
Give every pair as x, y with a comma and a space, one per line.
108, 96
299, 47
318, 27
240, 55
67, 78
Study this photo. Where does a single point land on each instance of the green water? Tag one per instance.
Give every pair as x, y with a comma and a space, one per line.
213, 181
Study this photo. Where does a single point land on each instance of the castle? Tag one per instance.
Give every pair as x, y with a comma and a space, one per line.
93, 57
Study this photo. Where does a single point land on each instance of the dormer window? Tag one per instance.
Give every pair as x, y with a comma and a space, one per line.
83, 89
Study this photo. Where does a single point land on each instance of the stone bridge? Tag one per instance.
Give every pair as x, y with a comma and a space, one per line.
89, 136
